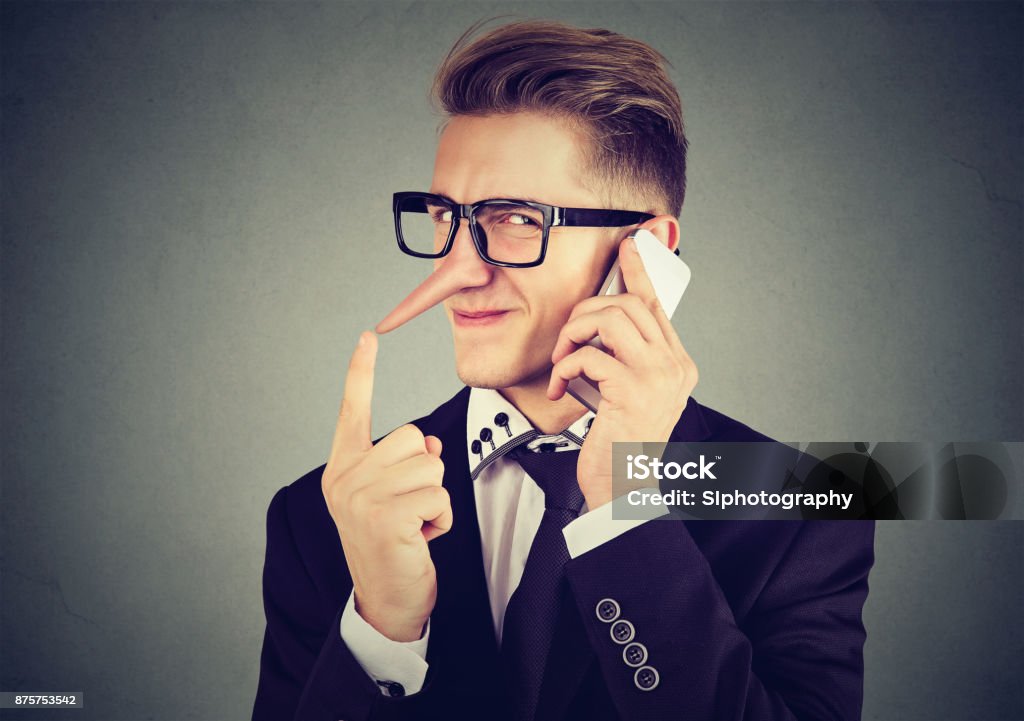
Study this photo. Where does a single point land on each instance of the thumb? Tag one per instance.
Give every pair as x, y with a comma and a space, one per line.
433, 445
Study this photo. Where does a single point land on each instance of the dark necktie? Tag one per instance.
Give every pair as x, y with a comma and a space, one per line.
532, 611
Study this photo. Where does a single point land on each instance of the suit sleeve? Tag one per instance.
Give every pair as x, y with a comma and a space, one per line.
307, 673
797, 653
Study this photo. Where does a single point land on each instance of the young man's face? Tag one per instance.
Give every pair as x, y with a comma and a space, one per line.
526, 157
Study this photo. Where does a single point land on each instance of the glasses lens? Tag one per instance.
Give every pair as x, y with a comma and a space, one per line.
425, 224
510, 233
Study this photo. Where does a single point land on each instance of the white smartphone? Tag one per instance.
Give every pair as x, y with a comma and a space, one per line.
669, 275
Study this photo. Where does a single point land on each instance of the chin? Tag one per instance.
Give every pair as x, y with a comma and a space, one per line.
495, 373
487, 378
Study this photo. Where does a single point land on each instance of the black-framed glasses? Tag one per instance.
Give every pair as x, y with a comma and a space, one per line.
506, 232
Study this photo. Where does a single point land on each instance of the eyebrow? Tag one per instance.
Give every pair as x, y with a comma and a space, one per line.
500, 197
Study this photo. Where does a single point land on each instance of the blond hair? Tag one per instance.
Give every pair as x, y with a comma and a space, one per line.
613, 89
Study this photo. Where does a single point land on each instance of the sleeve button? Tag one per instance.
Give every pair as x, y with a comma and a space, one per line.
608, 610
622, 631
635, 654
646, 678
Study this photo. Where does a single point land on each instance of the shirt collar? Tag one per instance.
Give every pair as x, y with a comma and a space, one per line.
494, 427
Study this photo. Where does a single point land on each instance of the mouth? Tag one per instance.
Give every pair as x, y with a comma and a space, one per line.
478, 318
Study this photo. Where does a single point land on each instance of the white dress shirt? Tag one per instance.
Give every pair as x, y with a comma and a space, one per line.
509, 507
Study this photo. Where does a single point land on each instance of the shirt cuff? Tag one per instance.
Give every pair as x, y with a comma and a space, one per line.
385, 661
597, 527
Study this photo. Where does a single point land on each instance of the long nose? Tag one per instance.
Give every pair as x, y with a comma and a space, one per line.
461, 268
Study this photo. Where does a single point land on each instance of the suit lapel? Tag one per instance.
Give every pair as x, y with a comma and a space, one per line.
461, 624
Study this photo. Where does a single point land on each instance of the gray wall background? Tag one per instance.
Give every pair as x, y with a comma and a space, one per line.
196, 227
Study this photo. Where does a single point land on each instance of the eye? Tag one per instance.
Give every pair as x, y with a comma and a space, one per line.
519, 219
440, 215
510, 217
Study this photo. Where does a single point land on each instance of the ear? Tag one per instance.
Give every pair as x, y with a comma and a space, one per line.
665, 228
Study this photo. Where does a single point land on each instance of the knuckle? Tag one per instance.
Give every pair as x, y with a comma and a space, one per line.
616, 313
359, 502
679, 378
583, 305
330, 496
345, 410
681, 371
633, 300
329, 489
435, 466
333, 488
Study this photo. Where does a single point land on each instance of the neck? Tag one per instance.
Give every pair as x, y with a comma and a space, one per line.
547, 416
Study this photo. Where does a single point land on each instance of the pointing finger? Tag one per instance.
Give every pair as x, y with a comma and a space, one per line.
352, 433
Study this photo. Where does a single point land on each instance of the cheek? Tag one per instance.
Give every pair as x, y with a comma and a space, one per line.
582, 275
553, 296
571, 272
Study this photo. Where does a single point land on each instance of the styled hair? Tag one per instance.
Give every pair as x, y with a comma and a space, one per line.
614, 90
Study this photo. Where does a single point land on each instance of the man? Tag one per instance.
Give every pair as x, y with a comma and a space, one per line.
466, 565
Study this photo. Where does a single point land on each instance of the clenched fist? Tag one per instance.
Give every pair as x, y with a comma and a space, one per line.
387, 502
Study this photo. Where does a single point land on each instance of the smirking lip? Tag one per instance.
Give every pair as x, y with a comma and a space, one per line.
478, 319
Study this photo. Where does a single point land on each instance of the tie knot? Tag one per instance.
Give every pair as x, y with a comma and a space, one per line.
555, 473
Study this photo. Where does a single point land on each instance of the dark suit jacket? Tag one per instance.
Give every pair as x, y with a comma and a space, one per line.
742, 619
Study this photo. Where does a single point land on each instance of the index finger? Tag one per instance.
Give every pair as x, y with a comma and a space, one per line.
634, 275
638, 282
352, 434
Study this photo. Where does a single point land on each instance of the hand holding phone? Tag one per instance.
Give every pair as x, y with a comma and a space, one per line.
669, 275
